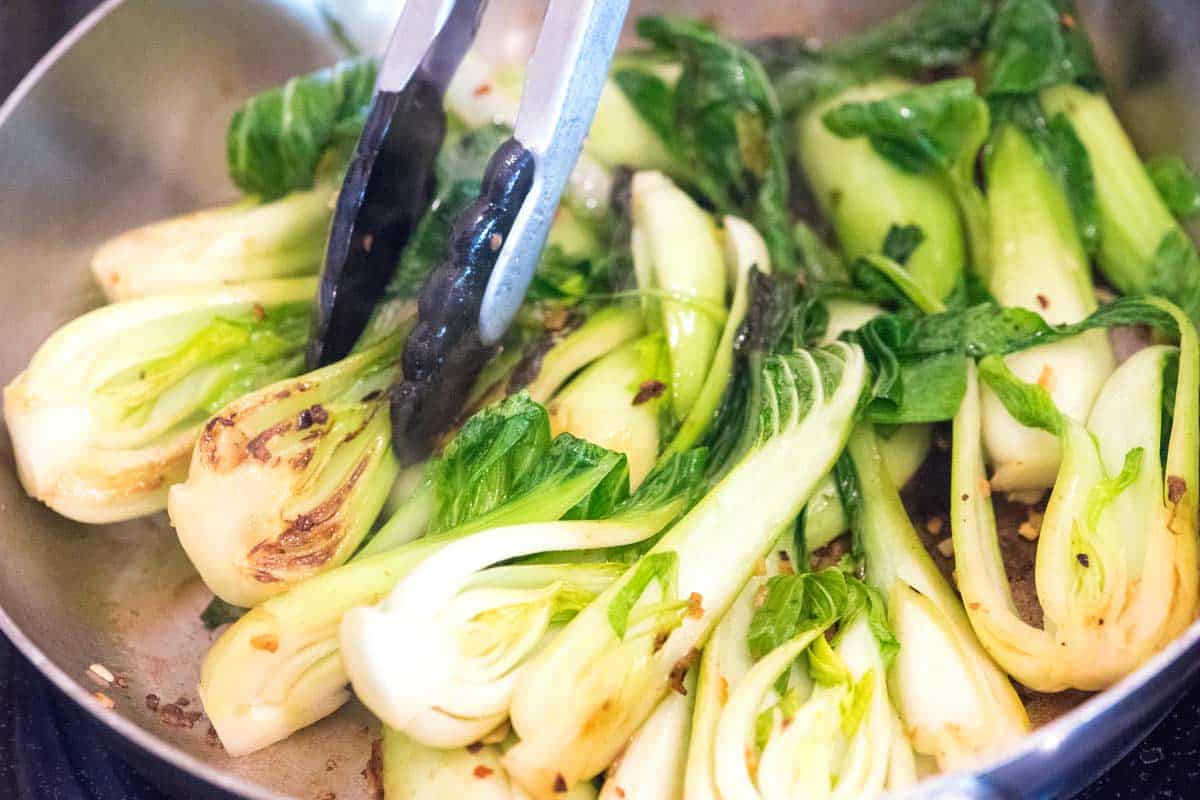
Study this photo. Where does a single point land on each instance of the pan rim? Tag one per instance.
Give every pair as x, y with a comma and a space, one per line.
1069, 730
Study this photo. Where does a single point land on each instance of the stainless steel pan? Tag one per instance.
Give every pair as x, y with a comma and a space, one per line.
124, 123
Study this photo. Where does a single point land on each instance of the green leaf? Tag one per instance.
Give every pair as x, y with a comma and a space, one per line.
1030, 404
655, 567
901, 241
218, 613
819, 262
1106, 491
934, 128
727, 129
496, 450
276, 139
798, 603
1178, 184
653, 99
877, 620
825, 666
886, 282
1062, 154
931, 35
1036, 44
1174, 273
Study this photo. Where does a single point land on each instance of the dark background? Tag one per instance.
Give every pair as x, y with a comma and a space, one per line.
46, 750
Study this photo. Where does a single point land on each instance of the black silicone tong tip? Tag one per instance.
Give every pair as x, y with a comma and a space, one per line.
389, 185
444, 354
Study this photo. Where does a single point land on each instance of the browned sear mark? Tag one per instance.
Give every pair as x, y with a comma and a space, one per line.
1043, 301
560, 784
257, 446
1176, 488
1083, 559
649, 390
680, 670
474, 747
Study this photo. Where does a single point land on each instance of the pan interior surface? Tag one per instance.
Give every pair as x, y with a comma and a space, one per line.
119, 128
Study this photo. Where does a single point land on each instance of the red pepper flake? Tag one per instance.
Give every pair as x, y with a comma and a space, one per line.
723, 687
680, 670
265, 641
648, 391
1068, 21
620, 792
260, 313
1043, 301
152, 702
474, 747
104, 700
1176, 488
482, 89
695, 609
482, 772
560, 784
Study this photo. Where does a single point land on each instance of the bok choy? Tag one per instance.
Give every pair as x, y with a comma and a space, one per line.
104, 417
299, 470
1116, 568
279, 668
581, 697
475, 645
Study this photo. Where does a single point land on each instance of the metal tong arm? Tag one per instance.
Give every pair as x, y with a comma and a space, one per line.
566, 74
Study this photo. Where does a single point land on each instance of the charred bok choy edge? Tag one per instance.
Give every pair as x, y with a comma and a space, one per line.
1117, 553
104, 417
580, 698
475, 645
299, 470
279, 668
286, 150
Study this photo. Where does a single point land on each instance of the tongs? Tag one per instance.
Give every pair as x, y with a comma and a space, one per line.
470, 299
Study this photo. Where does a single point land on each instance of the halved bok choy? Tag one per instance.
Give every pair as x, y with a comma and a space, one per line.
1038, 263
299, 470
810, 715
104, 418
279, 667
581, 698
956, 704
1116, 569
474, 644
